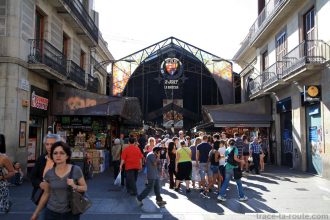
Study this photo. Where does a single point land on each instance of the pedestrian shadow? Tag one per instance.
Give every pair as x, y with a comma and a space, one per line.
260, 186
261, 179
166, 191
280, 178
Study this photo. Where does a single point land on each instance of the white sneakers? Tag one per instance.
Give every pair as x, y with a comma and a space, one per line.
245, 198
223, 199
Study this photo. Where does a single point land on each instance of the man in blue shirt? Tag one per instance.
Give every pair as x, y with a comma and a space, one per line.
255, 151
202, 156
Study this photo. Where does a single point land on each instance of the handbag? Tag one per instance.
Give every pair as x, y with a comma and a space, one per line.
36, 195
237, 173
78, 202
118, 179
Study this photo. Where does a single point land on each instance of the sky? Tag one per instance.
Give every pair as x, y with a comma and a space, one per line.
216, 26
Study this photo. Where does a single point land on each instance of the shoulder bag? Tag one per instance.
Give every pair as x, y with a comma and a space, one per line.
78, 202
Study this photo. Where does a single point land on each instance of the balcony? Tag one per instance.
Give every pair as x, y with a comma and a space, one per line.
74, 12
100, 68
269, 76
267, 23
93, 84
311, 52
45, 59
75, 73
255, 85
303, 60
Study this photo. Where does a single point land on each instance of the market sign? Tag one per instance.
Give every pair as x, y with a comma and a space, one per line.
171, 68
39, 102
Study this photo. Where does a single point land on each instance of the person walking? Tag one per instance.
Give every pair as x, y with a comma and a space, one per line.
183, 166
202, 156
195, 176
42, 165
116, 153
132, 158
5, 164
255, 151
232, 162
56, 183
171, 157
152, 163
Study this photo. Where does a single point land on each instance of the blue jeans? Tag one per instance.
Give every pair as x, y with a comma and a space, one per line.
151, 184
229, 174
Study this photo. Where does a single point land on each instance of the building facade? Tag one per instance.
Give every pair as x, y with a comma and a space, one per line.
285, 56
44, 43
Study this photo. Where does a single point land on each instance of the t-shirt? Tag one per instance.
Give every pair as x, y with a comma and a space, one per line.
204, 150
193, 153
152, 170
58, 197
132, 157
184, 153
222, 151
228, 150
239, 145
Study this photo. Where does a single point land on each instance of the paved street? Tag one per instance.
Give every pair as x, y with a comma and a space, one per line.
278, 190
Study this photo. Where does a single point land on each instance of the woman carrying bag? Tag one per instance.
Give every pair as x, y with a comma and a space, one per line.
57, 183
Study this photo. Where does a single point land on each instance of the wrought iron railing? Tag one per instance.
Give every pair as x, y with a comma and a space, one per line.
75, 73
41, 51
93, 84
80, 12
255, 85
99, 67
269, 76
307, 52
265, 16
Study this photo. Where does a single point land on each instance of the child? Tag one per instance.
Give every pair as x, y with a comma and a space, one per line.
152, 162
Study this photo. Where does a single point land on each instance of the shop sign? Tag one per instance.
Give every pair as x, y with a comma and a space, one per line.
312, 93
39, 102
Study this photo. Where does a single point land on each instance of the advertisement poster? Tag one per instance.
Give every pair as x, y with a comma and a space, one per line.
315, 140
32, 149
172, 116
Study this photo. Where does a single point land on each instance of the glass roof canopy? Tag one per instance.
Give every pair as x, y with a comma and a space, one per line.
123, 68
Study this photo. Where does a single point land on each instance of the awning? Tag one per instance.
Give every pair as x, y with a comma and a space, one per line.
70, 101
127, 108
249, 114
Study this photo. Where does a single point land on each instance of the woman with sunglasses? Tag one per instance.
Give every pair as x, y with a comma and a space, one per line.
57, 181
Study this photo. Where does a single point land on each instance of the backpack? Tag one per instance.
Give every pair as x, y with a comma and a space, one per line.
230, 158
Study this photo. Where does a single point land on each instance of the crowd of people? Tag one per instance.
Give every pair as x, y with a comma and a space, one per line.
202, 162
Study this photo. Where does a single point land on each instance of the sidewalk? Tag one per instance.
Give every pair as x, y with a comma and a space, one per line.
278, 190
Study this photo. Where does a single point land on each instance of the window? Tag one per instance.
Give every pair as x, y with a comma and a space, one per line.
39, 23
281, 50
82, 59
309, 25
65, 45
264, 65
309, 33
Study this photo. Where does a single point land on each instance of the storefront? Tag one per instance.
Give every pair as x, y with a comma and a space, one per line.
284, 108
251, 118
89, 122
39, 107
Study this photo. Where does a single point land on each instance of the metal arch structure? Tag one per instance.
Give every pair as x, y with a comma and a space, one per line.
124, 68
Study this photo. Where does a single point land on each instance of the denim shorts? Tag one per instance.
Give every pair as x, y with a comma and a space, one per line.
204, 170
214, 169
